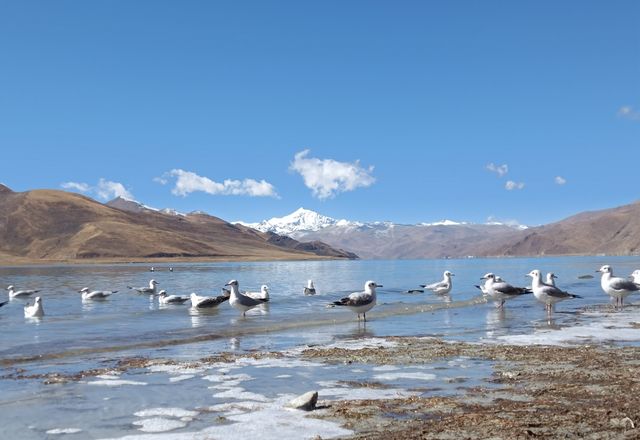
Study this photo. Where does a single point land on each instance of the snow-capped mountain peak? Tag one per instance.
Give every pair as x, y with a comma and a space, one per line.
301, 220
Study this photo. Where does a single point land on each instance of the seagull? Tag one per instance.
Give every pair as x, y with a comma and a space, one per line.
263, 294
635, 276
500, 290
16, 293
442, 287
546, 293
34, 310
310, 289
163, 298
204, 302
152, 269
151, 289
171, 269
95, 294
360, 302
240, 301
616, 287
551, 279
483, 286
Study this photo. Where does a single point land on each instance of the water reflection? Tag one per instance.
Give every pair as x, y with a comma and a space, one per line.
200, 317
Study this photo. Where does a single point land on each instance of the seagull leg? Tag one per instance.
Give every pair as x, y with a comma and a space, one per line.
365, 317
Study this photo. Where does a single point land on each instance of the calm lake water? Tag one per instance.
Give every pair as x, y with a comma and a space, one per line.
75, 335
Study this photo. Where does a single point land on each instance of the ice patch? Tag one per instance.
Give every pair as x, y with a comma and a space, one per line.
181, 378
175, 369
270, 422
58, 431
405, 375
236, 407
286, 362
227, 378
618, 327
283, 376
365, 393
108, 377
115, 383
240, 394
166, 412
386, 368
158, 424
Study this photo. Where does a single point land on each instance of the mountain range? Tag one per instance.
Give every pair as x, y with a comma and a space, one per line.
613, 231
52, 225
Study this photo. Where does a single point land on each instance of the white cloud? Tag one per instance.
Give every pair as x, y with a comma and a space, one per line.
511, 185
104, 190
107, 190
188, 182
560, 180
500, 170
76, 186
328, 177
629, 112
161, 180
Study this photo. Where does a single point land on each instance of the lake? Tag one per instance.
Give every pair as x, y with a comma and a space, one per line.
74, 336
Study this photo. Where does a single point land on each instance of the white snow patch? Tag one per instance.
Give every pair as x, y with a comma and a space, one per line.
166, 412
58, 431
175, 369
405, 375
386, 368
239, 393
365, 393
158, 424
181, 378
115, 383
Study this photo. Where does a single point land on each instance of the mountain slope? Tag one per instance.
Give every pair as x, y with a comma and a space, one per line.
614, 231
57, 225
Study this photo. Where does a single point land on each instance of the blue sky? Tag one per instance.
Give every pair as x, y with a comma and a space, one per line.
363, 110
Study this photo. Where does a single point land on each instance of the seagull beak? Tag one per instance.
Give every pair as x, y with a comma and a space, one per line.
379, 285
453, 274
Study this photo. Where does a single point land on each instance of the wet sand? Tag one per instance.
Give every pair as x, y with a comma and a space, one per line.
536, 392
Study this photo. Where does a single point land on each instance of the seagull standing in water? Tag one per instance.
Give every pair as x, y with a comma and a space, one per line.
483, 286
441, 287
310, 289
240, 301
206, 302
616, 287
500, 291
34, 310
95, 294
150, 290
17, 293
547, 294
635, 276
360, 302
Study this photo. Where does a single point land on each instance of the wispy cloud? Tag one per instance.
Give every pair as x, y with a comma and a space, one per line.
188, 182
500, 170
76, 186
104, 190
629, 112
327, 177
559, 180
511, 185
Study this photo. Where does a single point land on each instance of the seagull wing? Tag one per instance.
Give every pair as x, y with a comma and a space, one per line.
355, 299
508, 289
622, 284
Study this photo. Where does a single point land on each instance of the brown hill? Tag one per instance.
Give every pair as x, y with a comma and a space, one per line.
614, 231
57, 225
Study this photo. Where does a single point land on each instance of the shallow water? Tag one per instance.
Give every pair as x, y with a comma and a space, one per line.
76, 335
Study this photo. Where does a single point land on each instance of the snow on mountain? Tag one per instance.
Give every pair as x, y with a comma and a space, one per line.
131, 205
301, 220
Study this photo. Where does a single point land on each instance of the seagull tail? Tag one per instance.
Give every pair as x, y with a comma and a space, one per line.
574, 295
423, 285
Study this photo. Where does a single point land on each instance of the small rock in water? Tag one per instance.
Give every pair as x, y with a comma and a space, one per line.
585, 277
305, 402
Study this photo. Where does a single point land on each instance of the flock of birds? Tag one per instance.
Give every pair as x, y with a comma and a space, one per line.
493, 288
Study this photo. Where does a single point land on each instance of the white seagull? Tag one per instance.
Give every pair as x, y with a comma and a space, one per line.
310, 289
441, 287
483, 286
360, 302
34, 310
635, 276
240, 301
500, 291
616, 287
17, 293
547, 294
263, 294
551, 279
205, 302
151, 289
164, 298
95, 294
